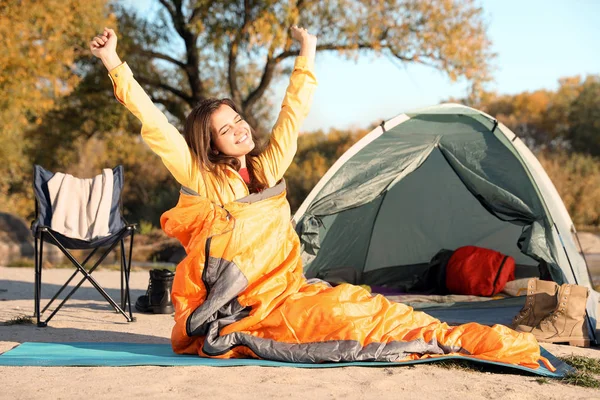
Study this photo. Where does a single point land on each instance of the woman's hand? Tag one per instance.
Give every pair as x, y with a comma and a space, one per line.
104, 46
308, 43
302, 36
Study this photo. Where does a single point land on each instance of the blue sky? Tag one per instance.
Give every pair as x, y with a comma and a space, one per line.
537, 43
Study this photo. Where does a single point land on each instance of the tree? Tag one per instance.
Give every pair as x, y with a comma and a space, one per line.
38, 51
524, 113
238, 48
577, 179
584, 118
549, 120
316, 154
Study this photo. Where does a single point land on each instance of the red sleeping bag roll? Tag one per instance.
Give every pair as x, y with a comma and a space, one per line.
477, 271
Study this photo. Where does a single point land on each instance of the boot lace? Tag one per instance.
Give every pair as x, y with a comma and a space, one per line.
149, 290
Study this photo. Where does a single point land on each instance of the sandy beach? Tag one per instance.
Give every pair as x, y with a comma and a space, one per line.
87, 318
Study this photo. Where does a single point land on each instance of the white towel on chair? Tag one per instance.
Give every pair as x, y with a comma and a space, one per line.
81, 207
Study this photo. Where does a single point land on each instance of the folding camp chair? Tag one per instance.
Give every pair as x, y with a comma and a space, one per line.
42, 232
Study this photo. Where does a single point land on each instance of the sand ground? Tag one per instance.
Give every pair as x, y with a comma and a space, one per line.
88, 318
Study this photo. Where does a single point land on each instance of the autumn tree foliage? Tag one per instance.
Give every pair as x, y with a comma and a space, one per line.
563, 128
57, 107
197, 49
317, 151
584, 118
565, 119
186, 51
39, 47
577, 179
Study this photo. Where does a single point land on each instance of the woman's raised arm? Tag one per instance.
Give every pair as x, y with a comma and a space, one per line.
278, 155
162, 137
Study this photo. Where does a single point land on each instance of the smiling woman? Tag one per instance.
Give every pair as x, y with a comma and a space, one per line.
218, 135
218, 156
241, 291
232, 133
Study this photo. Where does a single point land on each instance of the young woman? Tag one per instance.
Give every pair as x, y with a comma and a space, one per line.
240, 291
217, 156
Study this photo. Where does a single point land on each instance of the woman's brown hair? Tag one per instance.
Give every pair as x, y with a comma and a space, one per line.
198, 135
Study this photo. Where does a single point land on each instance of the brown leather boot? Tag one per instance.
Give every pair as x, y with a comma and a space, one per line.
567, 322
541, 301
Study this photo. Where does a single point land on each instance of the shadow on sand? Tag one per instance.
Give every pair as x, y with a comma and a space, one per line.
20, 290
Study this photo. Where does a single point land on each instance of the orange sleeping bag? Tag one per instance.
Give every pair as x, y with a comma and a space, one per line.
241, 292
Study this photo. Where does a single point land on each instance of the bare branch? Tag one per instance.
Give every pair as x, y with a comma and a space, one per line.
174, 107
176, 13
232, 73
157, 84
195, 15
192, 64
403, 40
233, 53
169, 7
269, 70
417, 58
161, 56
323, 47
265, 80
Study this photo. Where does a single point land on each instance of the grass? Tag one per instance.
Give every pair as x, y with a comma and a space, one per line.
584, 364
20, 320
145, 227
583, 379
585, 369
460, 365
21, 263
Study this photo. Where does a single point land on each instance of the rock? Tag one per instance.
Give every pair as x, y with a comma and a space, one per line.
16, 240
13, 229
156, 246
172, 252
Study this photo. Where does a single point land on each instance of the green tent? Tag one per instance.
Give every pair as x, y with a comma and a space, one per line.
439, 178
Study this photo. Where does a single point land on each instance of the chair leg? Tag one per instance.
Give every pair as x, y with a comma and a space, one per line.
38, 283
125, 273
36, 296
87, 275
80, 267
122, 273
129, 272
68, 281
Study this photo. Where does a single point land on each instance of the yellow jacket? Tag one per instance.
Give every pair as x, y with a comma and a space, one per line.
166, 141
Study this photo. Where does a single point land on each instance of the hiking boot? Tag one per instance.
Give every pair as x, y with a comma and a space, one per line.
157, 299
567, 321
541, 301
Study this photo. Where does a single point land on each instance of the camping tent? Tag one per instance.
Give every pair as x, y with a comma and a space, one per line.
439, 178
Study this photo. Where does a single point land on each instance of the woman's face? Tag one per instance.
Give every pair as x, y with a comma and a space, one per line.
231, 134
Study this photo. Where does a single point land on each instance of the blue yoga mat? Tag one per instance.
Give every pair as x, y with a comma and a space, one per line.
132, 354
